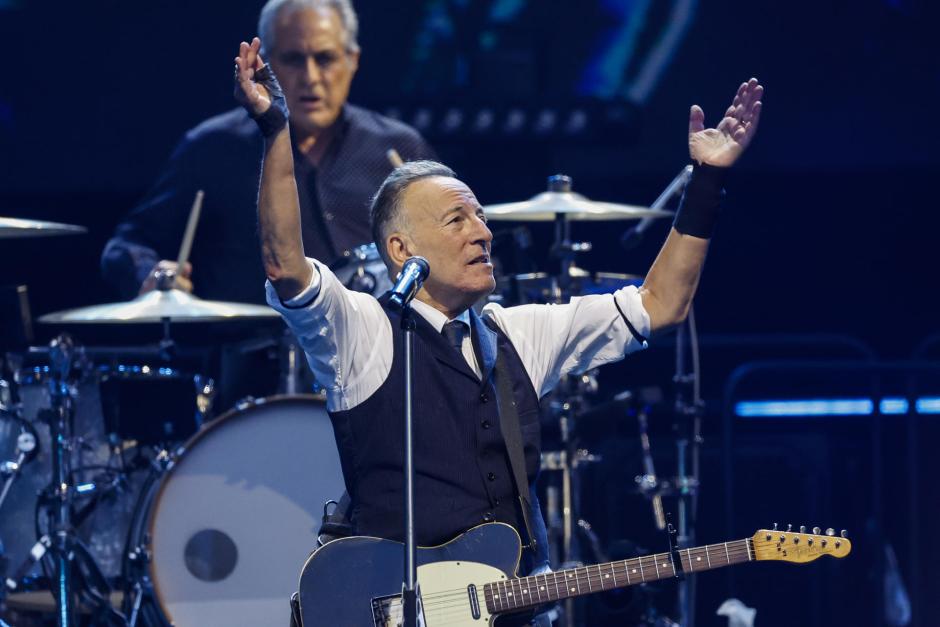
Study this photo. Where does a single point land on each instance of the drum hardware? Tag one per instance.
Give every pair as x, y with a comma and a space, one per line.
62, 543
562, 509
25, 450
362, 270
292, 359
689, 411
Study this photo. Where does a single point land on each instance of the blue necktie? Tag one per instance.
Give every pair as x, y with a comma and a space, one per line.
454, 332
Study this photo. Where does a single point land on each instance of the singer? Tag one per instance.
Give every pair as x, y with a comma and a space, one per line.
463, 470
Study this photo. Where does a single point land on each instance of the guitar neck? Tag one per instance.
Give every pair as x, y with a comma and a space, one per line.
514, 595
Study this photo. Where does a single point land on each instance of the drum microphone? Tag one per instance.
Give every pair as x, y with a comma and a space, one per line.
409, 281
632, 237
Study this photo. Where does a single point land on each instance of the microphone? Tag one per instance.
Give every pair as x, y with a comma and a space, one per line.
634, 235
409, 281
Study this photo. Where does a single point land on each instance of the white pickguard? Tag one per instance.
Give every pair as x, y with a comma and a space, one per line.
445, 600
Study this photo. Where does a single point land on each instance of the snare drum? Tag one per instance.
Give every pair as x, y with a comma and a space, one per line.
228, 526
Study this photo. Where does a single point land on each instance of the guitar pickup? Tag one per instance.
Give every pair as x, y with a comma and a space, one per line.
474, 601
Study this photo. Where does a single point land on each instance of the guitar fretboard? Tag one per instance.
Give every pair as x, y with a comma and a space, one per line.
513, 595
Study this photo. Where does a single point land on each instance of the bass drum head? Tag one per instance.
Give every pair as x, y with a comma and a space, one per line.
238, 513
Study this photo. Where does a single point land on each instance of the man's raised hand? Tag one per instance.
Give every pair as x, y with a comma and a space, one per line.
249, 93
721, 146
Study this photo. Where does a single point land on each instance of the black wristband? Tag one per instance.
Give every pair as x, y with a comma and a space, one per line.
275, 118
701, 202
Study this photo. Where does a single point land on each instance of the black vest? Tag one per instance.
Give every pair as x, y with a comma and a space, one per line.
462, 472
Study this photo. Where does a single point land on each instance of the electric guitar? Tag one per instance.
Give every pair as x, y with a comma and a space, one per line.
470, 581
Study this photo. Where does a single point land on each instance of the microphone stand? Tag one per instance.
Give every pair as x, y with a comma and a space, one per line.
409, 595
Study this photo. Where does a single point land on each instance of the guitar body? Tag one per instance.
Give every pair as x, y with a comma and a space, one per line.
357, 582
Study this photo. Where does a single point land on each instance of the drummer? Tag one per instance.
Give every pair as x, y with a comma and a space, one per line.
463, 474
339, 150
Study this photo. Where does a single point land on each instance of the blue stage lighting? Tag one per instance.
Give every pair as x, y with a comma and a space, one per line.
893, 406
806, 407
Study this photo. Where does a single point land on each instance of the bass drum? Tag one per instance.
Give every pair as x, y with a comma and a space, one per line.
229, 524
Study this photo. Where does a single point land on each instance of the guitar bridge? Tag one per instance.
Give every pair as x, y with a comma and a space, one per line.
387, 611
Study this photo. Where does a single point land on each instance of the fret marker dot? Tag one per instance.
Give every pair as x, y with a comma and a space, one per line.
525, 592
572, 589
698, 559
634, 570
542, 588
606, 576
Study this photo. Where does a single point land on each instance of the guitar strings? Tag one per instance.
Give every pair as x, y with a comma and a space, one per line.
446, 605
447, 601
585, 574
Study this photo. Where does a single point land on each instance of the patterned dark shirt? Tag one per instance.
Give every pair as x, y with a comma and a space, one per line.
222, 156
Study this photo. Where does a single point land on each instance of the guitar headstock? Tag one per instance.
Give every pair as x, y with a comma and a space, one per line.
799, 548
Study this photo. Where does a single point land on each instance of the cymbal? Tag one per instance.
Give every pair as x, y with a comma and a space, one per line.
11, 228
545, 206
540, 287
155, 306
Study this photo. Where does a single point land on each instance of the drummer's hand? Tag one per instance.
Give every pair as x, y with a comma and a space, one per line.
248, 93
182, 282
723, 145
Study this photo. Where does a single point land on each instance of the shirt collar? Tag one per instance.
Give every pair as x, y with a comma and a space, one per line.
435, 318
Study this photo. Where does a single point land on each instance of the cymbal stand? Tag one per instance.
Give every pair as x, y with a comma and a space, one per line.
60, 417
688, 411
571, 397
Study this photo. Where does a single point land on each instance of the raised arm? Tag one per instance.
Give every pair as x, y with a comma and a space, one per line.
282, 248
671, 282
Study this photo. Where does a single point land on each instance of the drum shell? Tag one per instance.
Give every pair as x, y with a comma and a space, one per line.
91, 459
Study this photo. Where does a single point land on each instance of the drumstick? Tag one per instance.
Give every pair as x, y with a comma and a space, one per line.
187, 244
394, 158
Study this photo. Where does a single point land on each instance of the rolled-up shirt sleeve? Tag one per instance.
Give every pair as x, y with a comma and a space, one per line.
589, 331
345, 334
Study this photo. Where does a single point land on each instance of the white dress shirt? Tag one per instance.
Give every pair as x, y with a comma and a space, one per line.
348, 337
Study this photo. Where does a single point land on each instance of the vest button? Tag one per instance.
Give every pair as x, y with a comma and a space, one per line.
486, 424
491, 476
488, 517
484, 398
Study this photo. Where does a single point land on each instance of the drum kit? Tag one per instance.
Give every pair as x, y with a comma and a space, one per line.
125, 497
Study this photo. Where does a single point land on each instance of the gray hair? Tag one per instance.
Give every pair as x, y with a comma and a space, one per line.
273, 8
386, 204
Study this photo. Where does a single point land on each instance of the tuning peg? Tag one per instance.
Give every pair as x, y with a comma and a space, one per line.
802, 528
789, 528
816, 530
830, 531
775, 526
844, 534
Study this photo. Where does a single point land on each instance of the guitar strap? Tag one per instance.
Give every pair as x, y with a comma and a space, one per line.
512, 435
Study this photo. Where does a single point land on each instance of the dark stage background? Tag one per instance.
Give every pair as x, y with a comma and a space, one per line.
826, 252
